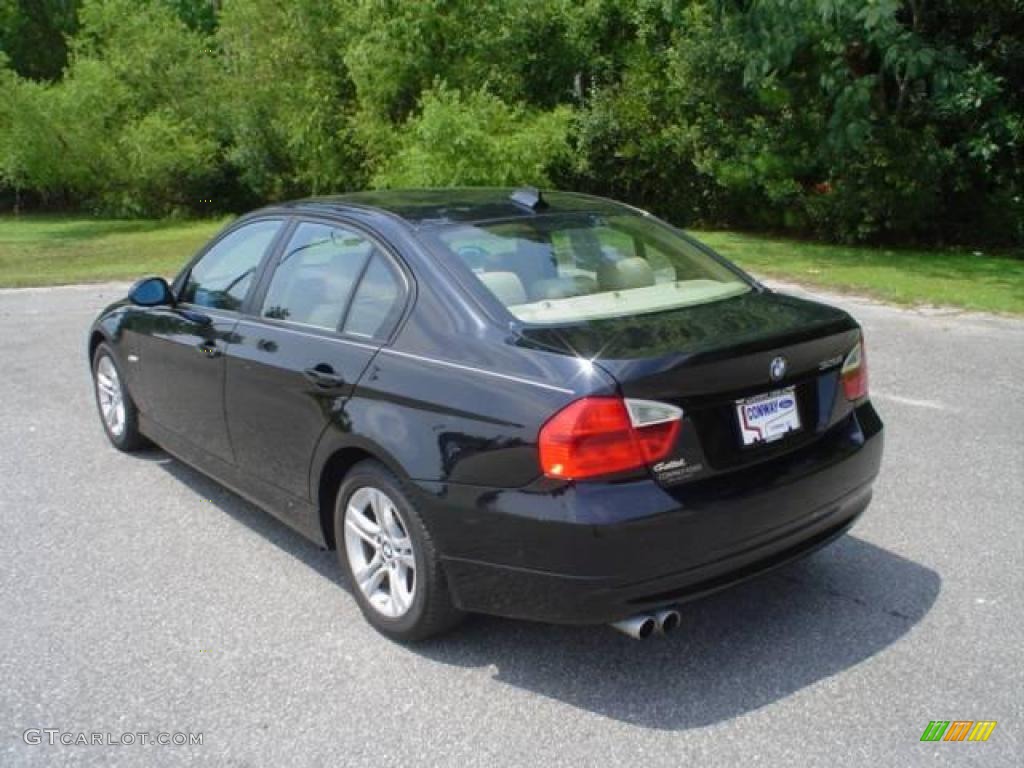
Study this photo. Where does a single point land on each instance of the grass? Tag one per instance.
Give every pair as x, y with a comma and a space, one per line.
52, 250
955, 278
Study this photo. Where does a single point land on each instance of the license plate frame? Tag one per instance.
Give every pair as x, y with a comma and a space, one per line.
777, 417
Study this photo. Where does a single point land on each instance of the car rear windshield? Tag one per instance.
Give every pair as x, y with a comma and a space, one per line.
564, 268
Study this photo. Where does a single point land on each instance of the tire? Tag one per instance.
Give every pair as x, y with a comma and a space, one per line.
371, 493
112, 395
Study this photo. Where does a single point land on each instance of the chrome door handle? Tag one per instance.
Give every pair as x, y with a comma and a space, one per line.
324, 376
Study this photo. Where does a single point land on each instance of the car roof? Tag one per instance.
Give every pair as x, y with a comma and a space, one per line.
432, 207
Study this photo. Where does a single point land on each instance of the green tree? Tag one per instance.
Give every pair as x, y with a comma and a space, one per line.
288, 98
849, 119
520, 51
914, 119
475, 138
33, 34
130, 128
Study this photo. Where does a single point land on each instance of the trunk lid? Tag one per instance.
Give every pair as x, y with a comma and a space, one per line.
704, 359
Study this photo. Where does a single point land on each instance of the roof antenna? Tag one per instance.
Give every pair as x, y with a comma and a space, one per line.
529, 197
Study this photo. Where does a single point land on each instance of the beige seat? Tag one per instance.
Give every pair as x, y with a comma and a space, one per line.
506, 286
563, 287
320, 292
624, 274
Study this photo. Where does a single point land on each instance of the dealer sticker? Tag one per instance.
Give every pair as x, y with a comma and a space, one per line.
766, 418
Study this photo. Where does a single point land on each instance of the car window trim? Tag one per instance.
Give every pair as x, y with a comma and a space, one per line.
407, 283
255, 295
394, 315
356, 285
304, 329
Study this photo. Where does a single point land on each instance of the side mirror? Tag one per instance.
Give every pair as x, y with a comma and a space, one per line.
151, 292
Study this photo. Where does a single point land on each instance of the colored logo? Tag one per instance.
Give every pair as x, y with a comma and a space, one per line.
777, 370
958, 730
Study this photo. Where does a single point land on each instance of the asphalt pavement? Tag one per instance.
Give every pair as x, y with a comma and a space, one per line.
139, 597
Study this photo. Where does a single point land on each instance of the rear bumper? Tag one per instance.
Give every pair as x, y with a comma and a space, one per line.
594, 553
566, 599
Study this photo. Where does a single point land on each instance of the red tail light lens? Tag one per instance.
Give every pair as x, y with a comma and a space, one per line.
604, 435
855, 373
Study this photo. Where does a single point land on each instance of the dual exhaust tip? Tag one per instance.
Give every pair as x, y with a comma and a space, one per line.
643, 625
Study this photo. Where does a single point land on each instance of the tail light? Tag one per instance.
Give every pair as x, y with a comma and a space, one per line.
855, 373
604, 435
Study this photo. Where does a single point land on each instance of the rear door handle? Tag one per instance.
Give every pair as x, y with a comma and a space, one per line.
324, 376
208, 349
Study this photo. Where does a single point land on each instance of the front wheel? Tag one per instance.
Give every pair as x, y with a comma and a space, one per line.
389, 557
118, 414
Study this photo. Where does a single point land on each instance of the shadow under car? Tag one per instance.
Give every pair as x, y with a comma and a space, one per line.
736, 651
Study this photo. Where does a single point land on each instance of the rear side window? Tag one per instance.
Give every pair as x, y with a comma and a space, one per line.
317, 277
224, 274
378, 300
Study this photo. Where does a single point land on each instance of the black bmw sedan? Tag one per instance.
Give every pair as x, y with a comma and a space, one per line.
544, 406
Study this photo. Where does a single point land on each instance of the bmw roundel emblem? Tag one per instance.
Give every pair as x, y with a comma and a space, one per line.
777, 370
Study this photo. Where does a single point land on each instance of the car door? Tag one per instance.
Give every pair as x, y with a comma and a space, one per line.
331, 298
180, 352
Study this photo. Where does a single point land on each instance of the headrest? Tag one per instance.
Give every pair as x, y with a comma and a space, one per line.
626, 273
505, 285
562, 287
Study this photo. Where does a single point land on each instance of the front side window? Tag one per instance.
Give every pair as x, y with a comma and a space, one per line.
316, 275
564, 268
224, 274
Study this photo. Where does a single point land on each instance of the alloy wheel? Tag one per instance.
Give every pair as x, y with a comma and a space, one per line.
110, 396
380, 552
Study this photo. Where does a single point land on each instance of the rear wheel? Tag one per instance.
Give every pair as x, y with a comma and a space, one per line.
389, 557
118, 414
